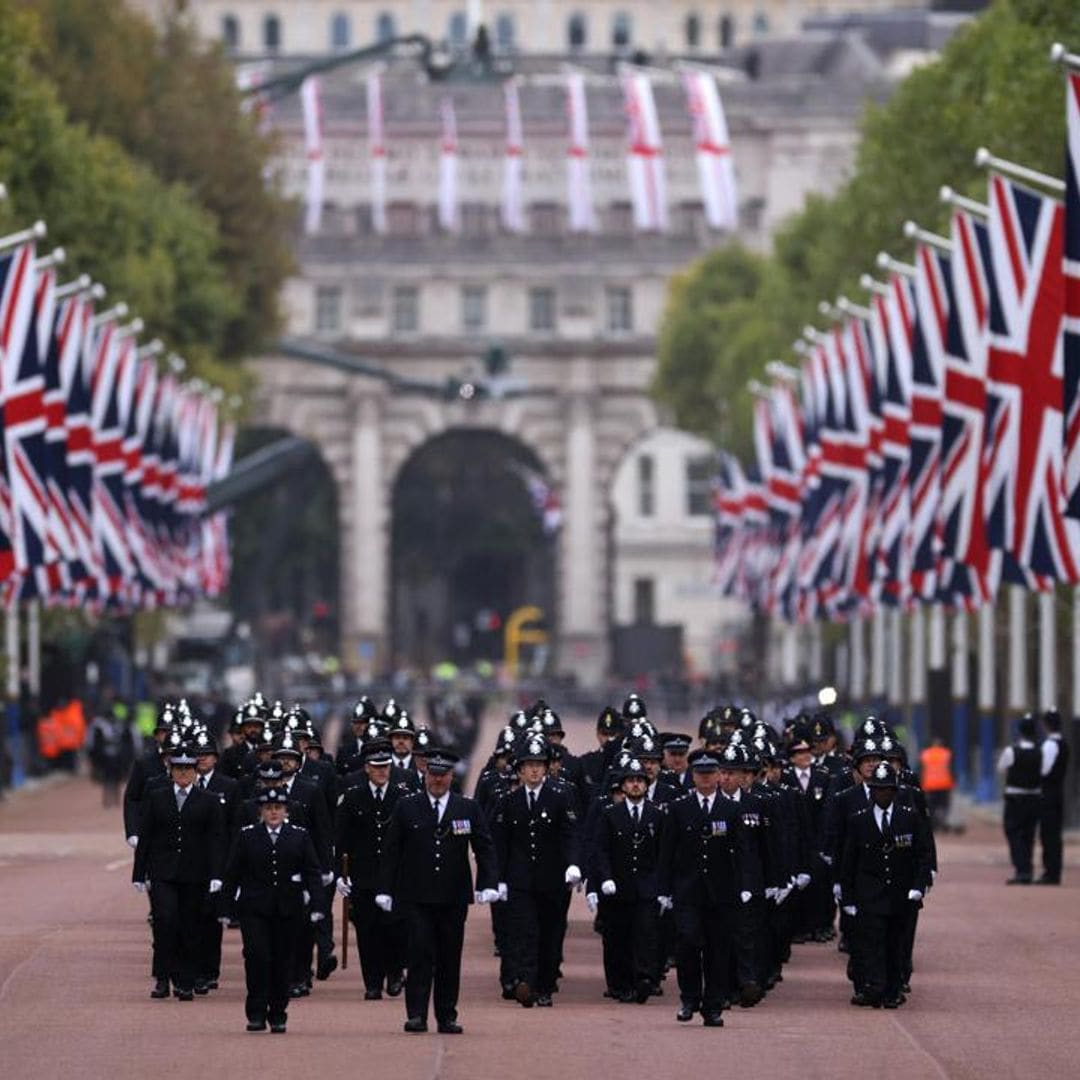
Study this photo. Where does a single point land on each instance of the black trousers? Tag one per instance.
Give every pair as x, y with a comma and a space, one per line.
631, 933
269, 945
177, 907
436, 933
324, 928
210, 932
380, 939
1051, 822
882, 941
703, 953
751, 943
536, 925
1021, 819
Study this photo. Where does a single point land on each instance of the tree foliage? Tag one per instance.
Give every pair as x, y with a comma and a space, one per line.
729, 314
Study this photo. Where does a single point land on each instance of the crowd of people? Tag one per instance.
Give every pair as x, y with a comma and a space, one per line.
707, 861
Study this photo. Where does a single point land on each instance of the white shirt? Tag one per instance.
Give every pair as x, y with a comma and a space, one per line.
376, 790
289, 783
635, 804
1050, 747
177, 789
650, 792
534, 791
273, 833
804, 778
737, 797
440, 805
403, 762
706, 801
204, 780
879, 815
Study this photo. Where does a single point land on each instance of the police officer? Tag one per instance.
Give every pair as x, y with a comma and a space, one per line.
1022, 765
626, 869
179, 858
709, 864
1055, 762
595, 763
252, 717
363, 818
426, 870
143, 768
271, 870
536, 841
350, 752
884, 875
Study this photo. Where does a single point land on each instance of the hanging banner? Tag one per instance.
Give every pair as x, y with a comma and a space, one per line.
448, 167
716, 171
645, 153
377, 150
578, 182
513, 210
311, 103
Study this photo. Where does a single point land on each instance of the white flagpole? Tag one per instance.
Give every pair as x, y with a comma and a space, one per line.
377, 150
311, 104
987, 700
1048, 696
960, 692
856, 630
877, 657
895, 670
33, 646
917, 675
11, 648
814, 658
1018, 668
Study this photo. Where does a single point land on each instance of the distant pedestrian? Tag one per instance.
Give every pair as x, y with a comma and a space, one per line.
1022, 765
936, 779
111, 752
1054, 755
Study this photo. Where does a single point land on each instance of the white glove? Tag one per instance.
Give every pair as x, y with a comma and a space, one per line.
328, 879
782, 894
317, 916
215, 885
745, 896
307, 898
933, 873
592, 902
850, 909
344, 886
487, 896
573, 875
385, 902
141, 886
504, 890
133, 841
608, 887
224, 920
665, 903
826, 859
770, 893
836, 891
914, 895
802, 880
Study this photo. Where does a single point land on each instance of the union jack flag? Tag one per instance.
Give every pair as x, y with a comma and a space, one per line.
1072, 297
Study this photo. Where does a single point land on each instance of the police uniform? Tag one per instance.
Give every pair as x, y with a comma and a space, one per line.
425, 871
1055, 764
268, 874
1022, 765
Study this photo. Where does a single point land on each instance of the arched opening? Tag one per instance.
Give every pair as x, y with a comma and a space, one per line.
285, 582
577, 32
470, 545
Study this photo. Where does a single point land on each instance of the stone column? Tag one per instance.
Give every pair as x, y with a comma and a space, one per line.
583, 633
366, 543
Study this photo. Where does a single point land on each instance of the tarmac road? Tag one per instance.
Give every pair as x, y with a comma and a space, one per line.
996, 989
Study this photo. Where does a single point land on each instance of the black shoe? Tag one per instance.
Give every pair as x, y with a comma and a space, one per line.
326, 968
843, 946
185, 995
656, 990
861, 1000
1019, 879
278, 1028
906, 988
394, 985
643, 991
893, 1003
211, 984
685, 1013
524, 995
414, 1025
543, 1001
450, 1027
508, 993
799, 939
750, 995
373, 995
713, 1019
296, 991
161, 989
1046, 880
201, 988
256, 1025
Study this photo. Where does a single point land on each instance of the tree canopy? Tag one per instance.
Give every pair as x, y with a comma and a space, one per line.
732, 312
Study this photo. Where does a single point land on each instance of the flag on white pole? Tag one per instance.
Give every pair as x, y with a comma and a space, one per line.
377, 150
448, 162
579, 186
645, 153
513, 212
713, 149
311, 102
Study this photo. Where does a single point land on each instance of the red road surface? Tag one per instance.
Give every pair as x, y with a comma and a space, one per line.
996, 988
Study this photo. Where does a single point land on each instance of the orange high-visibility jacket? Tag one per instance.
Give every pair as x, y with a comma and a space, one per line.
936, 764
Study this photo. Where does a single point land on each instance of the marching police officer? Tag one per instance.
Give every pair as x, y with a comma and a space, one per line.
426, 870
535, 833
271, 868
884, 875
179, 858
1055, 763
144, 768
363, 818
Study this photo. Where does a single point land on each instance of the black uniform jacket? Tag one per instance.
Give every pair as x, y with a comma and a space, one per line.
629, 855
143, 768
708, 859
227, 791
267, 879
534, 849
361, 828
180, 845
427, 861
877, 872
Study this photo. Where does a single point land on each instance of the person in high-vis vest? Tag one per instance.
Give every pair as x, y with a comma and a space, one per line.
936, 780
1022, 765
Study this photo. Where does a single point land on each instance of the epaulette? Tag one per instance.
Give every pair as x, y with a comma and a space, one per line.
302, 828
682, 798
244, 828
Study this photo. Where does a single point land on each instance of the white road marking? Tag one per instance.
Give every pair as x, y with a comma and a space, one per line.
117, 863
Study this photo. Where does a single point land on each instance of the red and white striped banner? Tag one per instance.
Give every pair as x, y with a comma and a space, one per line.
578, 182
448, 167
713, 150
645, 153
311, 104
377, 150
513, 210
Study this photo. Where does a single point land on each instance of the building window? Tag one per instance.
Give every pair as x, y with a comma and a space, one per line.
504, 32
230, 32
693, 31
620, 219
475, 220
620, 310
577, 32
622, 30
327, 309
403, 219
699, 480
473, 309
385, 27
406, 309
459, 29
272, 33
340, 32
545, 219
542, 309
761, 22
726, 31
644, 601
646, 478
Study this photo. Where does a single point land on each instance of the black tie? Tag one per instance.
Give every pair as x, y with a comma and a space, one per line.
202, 782
704, 804
886, 825
378, 796
532, 802
273, 837
634, 814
